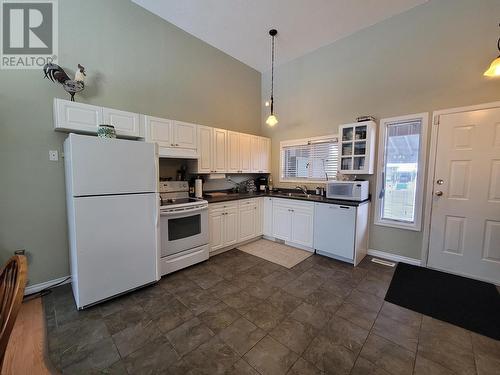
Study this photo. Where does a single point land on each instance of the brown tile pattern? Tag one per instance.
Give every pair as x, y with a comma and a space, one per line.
239, 314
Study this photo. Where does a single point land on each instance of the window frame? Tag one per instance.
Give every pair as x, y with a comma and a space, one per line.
299, 142
416, 225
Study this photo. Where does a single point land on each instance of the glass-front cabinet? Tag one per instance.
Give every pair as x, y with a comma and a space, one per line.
357, 151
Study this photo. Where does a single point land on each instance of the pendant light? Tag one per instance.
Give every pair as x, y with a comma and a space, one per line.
494, 69
272, 120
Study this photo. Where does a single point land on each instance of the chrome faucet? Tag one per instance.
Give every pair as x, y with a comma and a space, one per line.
303, 189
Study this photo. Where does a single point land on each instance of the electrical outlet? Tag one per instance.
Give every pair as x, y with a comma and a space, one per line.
53, 155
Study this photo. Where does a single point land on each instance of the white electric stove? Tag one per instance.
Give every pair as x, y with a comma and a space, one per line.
183, 227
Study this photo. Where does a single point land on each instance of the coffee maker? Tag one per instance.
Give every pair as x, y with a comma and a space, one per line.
262, 183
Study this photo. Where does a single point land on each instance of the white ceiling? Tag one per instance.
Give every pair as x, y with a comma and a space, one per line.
240, 27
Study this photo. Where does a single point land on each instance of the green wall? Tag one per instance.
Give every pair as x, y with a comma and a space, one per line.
429, 58
135, 61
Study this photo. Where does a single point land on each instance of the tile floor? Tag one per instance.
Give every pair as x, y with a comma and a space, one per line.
239, 314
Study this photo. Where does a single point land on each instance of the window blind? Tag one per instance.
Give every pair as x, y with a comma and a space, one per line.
310, 160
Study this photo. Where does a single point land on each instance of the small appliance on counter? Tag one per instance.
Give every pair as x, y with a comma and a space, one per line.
262, 183
348, 190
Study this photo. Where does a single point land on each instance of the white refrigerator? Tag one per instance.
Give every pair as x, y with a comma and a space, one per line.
113, 213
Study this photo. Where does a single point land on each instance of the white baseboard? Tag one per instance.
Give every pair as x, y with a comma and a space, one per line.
47, 284
393, 257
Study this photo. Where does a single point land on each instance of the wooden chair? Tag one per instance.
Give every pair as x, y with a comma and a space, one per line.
12, 282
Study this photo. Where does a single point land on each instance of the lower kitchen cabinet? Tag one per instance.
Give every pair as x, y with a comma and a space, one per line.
302, 225
282, 222
333, 230
223, 225
247, 219
216, 228
293, 222
231, 234
260, 216
267, 217
231, 223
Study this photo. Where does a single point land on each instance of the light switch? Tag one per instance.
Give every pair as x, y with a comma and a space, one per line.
53, 155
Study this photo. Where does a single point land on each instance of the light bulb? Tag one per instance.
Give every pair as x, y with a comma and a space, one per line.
271, 120
267, 104
494, 69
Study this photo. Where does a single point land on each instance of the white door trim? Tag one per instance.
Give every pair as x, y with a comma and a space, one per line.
429, 189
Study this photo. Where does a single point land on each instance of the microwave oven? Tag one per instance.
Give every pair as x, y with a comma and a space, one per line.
349, 190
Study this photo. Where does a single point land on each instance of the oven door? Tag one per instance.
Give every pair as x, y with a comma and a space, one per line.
183, 229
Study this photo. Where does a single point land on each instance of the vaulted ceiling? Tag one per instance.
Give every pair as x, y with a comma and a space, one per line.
240, 27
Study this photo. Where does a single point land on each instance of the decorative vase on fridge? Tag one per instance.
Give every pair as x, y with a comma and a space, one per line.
106, 131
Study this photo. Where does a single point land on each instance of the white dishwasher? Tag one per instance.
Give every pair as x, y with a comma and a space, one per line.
334, 230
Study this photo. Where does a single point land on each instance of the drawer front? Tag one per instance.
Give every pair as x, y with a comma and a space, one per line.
248, 202
224, 206
294, 204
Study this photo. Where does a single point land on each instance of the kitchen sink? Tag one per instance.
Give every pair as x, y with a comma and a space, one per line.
296, 195
299, 195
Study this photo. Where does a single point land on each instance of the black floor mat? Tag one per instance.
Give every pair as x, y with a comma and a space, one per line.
467, 303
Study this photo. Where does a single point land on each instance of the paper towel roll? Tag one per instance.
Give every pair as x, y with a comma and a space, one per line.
198, 188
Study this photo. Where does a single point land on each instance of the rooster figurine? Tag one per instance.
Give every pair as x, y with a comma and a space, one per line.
71, 86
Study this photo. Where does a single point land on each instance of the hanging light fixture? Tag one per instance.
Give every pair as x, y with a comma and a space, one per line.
272, 120
494, 69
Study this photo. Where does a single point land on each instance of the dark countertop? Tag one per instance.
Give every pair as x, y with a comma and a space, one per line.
233, 197
284, 195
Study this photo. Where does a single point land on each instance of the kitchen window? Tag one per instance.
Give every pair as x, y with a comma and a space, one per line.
309, 160
400, 172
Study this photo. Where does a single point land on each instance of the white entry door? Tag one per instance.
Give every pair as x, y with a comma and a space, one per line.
465, 221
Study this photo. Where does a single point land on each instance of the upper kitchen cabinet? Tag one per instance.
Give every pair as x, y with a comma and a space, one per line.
256, 154
247, 153
174, 138
265, 147
260, 154
158, 130
211, 150
77, 117
184, 135
126, 123
219, 159
85, 118
233, 152
205, 149
357, 148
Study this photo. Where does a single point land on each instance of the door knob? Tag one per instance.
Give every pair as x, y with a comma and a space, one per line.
440, 182
439, 193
